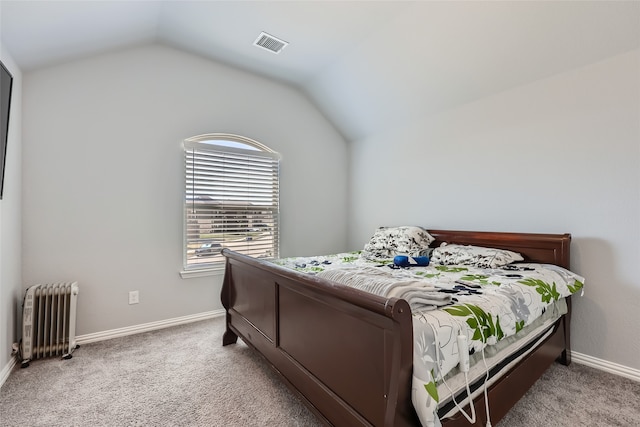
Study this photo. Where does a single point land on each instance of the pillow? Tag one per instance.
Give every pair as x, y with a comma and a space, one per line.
387, 242
452, 254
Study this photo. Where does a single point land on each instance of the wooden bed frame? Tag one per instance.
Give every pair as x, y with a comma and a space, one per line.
348, 354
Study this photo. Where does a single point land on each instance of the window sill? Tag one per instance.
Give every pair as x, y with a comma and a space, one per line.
204, 272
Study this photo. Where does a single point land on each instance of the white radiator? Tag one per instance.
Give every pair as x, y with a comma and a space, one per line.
49, 321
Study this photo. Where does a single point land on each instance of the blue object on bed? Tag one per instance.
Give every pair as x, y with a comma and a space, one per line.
408, 261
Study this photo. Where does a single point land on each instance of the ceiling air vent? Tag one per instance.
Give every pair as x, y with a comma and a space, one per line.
270, 43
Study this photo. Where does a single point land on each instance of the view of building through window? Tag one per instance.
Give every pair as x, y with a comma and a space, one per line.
231, 199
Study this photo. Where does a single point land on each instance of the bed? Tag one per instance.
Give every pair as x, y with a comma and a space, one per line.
349, 354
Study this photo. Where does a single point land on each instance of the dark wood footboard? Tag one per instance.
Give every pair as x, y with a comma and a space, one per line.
348, 354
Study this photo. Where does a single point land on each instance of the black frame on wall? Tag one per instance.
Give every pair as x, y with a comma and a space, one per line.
6, 83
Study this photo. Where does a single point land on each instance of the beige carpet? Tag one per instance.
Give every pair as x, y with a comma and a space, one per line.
179, 376
577, 396
182, 376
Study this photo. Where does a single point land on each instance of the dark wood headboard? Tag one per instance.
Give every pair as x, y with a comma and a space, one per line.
542, 248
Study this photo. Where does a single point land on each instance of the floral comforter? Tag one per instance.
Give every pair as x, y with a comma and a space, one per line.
485, 304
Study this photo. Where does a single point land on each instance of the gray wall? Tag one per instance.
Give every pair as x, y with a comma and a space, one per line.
10, 222
558, 155
103, 176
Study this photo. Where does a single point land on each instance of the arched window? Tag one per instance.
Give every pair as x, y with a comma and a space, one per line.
231, 199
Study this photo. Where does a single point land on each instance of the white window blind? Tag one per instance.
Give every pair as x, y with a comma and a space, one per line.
231, 199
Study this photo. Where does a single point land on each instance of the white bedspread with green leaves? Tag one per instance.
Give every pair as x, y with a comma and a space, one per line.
487, 305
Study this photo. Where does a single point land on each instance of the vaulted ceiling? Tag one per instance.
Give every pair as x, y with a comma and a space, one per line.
367, 65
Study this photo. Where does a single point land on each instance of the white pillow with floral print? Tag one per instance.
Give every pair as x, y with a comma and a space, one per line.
452, 254
387, 242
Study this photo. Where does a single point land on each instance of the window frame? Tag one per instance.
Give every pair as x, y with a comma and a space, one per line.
241, 146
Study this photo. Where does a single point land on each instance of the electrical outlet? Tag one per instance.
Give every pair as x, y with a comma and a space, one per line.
134, 297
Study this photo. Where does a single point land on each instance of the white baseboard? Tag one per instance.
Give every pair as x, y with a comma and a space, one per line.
146, 327
603, 365
4, 374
